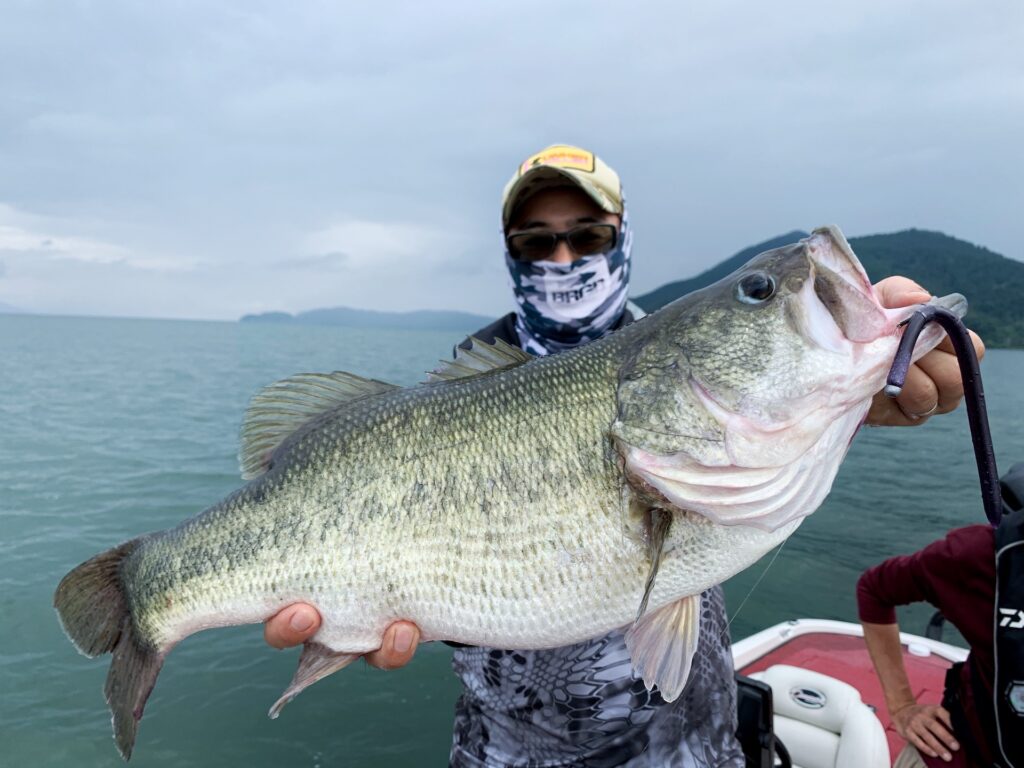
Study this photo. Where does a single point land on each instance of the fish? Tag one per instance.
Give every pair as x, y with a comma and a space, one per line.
515, 501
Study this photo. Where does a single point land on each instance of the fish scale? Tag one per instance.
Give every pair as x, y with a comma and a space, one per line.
395, 507
513, 502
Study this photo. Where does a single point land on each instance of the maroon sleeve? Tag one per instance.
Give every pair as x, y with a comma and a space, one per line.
925, 575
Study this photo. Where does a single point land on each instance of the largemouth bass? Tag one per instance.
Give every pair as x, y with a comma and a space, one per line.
517, 502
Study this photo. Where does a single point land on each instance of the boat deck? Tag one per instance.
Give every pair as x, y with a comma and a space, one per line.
837, 649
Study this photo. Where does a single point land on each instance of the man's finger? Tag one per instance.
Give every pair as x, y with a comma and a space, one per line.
936, 747
920, 396
914, 738
939, 730
900, 291
979, 345
291, 626
944, 372
397, 648
946, 345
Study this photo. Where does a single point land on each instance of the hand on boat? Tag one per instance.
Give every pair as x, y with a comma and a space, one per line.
299, 622
927, 727
933, 383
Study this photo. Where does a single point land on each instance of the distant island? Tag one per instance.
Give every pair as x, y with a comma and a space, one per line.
7, 309
993, 285
423, 319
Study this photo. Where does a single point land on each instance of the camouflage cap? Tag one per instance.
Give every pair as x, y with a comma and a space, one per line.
558, 165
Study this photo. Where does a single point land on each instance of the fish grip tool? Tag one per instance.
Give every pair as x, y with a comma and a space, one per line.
974, 394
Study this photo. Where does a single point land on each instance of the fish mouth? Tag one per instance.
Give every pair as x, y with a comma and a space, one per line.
828, 247
842, 286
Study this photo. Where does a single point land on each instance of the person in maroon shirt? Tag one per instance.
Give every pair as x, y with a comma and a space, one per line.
957, 575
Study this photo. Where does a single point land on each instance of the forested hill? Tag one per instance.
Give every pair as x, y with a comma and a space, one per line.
424, 319
993, 284
659, 297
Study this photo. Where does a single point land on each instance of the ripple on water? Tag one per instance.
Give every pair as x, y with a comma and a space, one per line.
144, 434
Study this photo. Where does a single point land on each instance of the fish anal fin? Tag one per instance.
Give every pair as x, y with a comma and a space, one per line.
280, 409
662, 645
316, 662
481, 357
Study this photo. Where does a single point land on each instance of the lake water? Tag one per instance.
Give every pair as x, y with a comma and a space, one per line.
109, 428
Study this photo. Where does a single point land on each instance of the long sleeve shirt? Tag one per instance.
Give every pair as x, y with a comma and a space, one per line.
957, 575
582, 706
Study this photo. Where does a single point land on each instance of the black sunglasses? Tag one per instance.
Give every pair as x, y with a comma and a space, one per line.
584, 240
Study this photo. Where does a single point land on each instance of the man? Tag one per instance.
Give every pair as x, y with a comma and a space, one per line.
957, 575
568, 252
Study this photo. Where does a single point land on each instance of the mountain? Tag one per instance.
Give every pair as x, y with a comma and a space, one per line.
993, 284
424, 319
7, 309
659, 297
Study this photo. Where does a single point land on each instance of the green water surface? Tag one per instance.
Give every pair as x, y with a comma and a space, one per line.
109, 428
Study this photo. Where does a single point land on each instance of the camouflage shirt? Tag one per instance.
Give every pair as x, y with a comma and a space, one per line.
581, 705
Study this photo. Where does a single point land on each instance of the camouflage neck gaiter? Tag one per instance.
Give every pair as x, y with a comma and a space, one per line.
560, 306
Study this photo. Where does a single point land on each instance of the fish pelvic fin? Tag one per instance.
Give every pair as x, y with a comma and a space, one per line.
662, 645
94, 612
316, 662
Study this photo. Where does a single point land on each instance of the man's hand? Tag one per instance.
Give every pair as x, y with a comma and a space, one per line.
927, 727
299, 622
933, 383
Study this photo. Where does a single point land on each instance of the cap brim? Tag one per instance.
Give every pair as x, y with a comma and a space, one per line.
548, 177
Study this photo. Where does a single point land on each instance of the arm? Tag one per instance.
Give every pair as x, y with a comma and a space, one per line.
899, 581
933, 383
926, 726
299, 622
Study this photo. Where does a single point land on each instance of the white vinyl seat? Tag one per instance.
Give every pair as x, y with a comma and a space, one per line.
823, 722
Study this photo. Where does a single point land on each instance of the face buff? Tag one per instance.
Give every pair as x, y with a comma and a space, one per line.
559, 306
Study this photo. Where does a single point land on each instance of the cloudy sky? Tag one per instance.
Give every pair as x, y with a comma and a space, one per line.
198, 159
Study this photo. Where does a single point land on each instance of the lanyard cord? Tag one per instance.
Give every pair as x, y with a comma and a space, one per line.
974, 395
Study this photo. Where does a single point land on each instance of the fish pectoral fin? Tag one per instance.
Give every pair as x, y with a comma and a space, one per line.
662, 645
660, 522
316, 662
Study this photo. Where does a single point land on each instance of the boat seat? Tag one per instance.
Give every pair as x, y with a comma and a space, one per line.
823, 722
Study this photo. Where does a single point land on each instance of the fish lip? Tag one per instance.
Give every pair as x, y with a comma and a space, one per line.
828, 247
832, 235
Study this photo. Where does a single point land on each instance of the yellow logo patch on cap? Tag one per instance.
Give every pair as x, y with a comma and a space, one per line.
561, 156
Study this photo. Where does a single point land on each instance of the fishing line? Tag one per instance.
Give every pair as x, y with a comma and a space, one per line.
759, 579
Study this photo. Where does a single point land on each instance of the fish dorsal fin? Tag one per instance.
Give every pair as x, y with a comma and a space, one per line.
279, 409
481, 357
662, 645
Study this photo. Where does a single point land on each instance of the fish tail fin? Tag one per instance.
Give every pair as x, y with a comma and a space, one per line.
94, 612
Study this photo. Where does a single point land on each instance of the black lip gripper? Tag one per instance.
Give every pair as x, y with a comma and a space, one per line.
974, 394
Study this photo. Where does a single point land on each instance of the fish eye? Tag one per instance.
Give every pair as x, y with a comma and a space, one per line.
755, 288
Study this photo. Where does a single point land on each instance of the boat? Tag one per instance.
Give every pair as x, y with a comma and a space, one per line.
808, 696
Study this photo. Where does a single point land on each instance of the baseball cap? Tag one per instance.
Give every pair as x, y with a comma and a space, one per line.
560, 165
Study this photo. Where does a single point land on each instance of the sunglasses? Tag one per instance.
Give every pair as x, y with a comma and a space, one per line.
584, 240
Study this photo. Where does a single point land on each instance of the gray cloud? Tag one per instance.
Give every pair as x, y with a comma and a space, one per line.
210, 140
331, 261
